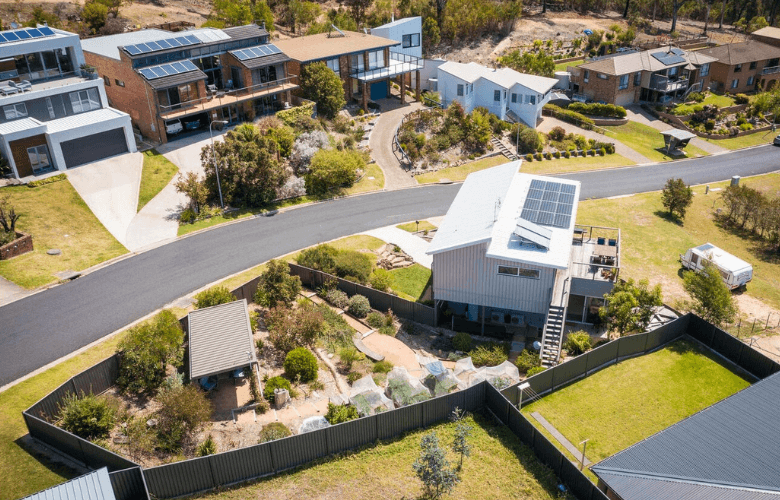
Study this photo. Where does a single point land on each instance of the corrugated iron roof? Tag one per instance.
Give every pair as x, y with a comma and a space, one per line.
652, 488
220, 339
88, 119
108, 46
93, 486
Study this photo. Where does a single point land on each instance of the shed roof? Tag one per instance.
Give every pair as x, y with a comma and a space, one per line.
742, 52
769, 32
93, 486
678, 133
504, 77
321, 46
220, 339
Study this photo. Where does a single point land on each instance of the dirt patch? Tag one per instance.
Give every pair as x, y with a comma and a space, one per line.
394, 351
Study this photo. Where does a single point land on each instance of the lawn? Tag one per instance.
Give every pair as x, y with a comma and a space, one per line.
627, 402
412, 227
457, 174
499, 467
720, 101
410, 282
651, 242
156, 174
745, 141
373, 180
563, 66
57, 217
547, 167
646, 141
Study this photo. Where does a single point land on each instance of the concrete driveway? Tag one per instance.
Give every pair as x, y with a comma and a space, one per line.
381, 143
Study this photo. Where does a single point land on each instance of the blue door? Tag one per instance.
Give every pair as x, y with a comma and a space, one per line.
379, 90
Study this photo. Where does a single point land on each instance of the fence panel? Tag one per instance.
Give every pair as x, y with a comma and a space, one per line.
351, 434
497, 403
631, 345
129, 484
700, 330
436, 410
346, 286
296, 450
570, 370
727, 345
602, 355
180, 478
575, 480
403, 308
512, 393
98, 378
526, 430
242, 464
474, 397
48, 407
96, 457
542, 381
515, 421
757, 363
424, 314
548, 453
455, 400
379, 301
54, 436
396, 422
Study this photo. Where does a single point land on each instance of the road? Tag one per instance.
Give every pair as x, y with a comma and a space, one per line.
43, 327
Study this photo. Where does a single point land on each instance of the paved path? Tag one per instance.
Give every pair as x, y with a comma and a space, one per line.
10, 292
409, 243
561, 438
639, 115
381, 143
548, 122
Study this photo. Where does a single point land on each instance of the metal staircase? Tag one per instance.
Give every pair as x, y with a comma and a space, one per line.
501, 147
552, 336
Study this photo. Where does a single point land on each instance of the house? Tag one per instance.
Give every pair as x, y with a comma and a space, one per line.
657, 75
55, 114
744, 66
171, 83
510, 95
770, 35
509, 261
728, 451
91, 486
366, 63
407, 31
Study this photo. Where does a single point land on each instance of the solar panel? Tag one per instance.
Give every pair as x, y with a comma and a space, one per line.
11, 37
157, 45
255, 52
2, 38
46, 31
133, 50
192, 39
148, 74
668, 59
533, 233
562, 220
677, 51
549, 203
23, 35
568, 188
162, 70
35, 33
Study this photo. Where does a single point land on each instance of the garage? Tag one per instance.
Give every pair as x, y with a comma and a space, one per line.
94, 147
379, 90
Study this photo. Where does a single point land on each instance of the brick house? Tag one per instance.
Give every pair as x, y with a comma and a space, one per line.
744, 66
171, 83
657, 75
770, 35
365, 63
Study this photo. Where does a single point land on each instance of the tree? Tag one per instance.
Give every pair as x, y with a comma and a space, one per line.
321, 85
712, 298
183, 411
332, 169
291, 328
341, 413
214, 297
193, 187
629, 306
537, 63
460, 444
430, 33
95, 15
301, 13
276, 286
359, 8
40, 16
8, 215
677, 197
433, 468
240, 12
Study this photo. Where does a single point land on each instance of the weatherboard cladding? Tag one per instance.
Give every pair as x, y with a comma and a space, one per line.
734, 442
220, 339
652, 488
93, 486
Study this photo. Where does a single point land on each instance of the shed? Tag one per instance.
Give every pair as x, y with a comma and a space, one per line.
220, 339
93, 486
676, 139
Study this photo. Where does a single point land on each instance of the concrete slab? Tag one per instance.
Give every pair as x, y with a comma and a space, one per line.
561, 438
409, 243
10, 292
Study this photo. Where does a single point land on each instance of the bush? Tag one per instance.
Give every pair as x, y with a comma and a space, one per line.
462, 342
183, 411
533, 371
566, 154
276, 285
340, 413
577, 343
274, 431
353, 377
557, 133
527, 360
301, 362
147, 350
597, 109
187, 216
570, 116
557, 155
375, 319
359, 306
337, 298
529, 140
88, 416
275, 383
48, 180
290, 328
709, 125
602, 152
323, 86
381, 279
207, 447
322, 258
383, 366
488, 355
529, 157
746, 126
696, 96
213, 296
332, 169
741, 99
348, 356
353, 264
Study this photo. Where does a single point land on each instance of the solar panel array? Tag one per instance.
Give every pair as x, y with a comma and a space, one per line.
162, 70
255, 52
25, 34
669, 58
549, 203
169, 43
537, 235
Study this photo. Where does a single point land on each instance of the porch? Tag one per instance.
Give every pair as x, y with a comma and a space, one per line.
376, 83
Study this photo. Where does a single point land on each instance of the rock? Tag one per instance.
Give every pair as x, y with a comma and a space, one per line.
54, 251
152, 422
121, 440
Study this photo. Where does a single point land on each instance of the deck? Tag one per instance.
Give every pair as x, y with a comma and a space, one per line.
595, 254
225, 99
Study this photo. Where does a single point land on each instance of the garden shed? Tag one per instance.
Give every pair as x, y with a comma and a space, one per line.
92, 486
220, 340
676, 139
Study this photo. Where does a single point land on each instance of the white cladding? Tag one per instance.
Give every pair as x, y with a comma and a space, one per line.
396, 30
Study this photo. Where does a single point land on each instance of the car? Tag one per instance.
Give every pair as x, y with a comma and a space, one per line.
776, 142
173, 127
193, 125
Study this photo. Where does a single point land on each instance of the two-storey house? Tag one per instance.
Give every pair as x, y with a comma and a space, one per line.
744, 66
171, 83
55, 115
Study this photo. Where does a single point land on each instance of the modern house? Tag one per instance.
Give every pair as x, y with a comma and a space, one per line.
657, 75
744, 66
407, 31
55, 114
510, 95
366, 63
509, 261
171, 83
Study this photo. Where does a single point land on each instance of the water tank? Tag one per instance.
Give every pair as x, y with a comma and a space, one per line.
433, 84
563, 78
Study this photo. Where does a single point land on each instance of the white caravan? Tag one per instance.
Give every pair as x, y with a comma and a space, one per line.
734, 271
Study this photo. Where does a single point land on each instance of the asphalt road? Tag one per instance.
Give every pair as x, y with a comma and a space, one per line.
43, 327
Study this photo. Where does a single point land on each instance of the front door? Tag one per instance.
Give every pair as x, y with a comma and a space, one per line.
39, 159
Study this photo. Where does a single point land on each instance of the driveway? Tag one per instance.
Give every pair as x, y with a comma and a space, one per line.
413, 245
639, 115
548, 122
381, 143
110, 189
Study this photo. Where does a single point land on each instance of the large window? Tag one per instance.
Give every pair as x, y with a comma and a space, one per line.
376, 59
518, 272
514, 97
585, 76
460, 89
14, 111
737, 68
496, 95
530, 99
638, 79
412, 40
623, 82
333, 64
39, 158
735, 83
356, 62
751, 80
85, 100
705, 70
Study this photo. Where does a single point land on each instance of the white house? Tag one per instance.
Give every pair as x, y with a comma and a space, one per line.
508, 94
408, 31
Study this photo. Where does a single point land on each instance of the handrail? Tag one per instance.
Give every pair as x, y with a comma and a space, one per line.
369, 74
770, 70
234, 92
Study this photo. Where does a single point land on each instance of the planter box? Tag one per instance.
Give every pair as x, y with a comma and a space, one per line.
22, 244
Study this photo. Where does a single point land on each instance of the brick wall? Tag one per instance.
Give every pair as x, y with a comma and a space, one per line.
22, 244
724, 74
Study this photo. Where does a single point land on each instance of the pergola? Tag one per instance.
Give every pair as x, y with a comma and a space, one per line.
676, 139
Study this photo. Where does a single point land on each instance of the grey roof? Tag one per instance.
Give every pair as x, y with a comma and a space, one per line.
93, 486
635, 487
259, 62
678, 133
175, 80
220, 339
742, 52
735, 442
632, 62
247, 31
108, 46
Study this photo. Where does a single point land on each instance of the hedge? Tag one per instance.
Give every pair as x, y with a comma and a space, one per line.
596, 109
570, 116
291, 116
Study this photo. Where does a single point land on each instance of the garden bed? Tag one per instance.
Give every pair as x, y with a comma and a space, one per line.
22, 244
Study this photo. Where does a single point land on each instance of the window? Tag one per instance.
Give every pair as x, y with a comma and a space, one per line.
84, 100
637, 79
533, 99
119, 82
472, 88
107, 81
753, 65
705, 69
518, 271
460, 89
356, 62
39, 158
50, 107
333, 64
412, 40
514, 97
602, 76
735, 83
14, 111
737, 68
376, 59
467, 90
751, 80
586, 76
530, 99
623, 82
496, 95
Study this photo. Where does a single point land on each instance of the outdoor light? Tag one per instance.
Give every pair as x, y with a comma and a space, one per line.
214, 155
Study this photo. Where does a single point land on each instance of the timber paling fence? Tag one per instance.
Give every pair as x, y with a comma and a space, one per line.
188, 477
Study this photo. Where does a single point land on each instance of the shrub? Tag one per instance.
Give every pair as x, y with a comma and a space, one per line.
337, 298
741, 99
529, 157
462, 342
48, 180
548, 155
557, 155
88, 416
359, 306
602, 152
331, 169
352, 377
321, 258
533, 371
294, 116
207, 447
381, 279
183, 411
323, 86
305, 147
353, 264
577, 343
557, 133
187, 216
340, 413
213, 296
274, 431
375, 319
696, 96
276, 286
290, 328
527, 360
709, 125
529, 140
275, 383
301, 362
570, 116
597, 109
485, 355
746, 126
566, 154
383, 366
348, 356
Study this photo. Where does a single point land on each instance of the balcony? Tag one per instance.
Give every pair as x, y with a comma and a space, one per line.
662, 83
398, 65
771, 70
226, 97
595, 260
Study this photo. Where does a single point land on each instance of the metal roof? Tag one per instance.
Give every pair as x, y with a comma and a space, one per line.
321, 46
246, 31
89, 119
108, 46
93, 486
678, 133
646, 487
220, 339
259, 62
733, 443
399, 22
504, 77
21, 125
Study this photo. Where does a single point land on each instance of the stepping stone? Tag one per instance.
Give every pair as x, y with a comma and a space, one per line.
54, 251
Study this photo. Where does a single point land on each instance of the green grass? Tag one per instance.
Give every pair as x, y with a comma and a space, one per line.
412, 227
745, 141
578, 164
57, 217
563, 66
457, 174
651, 242
720, 101
156, 174
646, 141
410, 282
373, 180
499, 467
625, 403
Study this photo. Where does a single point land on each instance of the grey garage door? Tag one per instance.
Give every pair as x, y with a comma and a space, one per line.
94, 147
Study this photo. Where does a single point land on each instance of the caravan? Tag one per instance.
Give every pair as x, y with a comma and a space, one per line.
734, 271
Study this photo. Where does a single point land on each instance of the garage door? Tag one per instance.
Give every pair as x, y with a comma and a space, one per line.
94, 147
379, 90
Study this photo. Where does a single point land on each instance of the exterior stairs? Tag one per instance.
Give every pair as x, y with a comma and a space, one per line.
512, 117
552, 337
501, 147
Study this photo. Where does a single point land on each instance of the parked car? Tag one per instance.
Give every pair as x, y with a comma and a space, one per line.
734, 271
173, 127
193, 125
776, 142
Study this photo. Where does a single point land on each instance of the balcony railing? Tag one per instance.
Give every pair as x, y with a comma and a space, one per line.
234, 95
770, 70
398, 63
663, 84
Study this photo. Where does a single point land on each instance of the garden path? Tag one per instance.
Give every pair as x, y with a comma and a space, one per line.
381, 142
639, 115
413, 245
10, 292
548, 122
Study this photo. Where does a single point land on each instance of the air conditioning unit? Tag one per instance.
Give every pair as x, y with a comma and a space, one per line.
497, 317
518, 319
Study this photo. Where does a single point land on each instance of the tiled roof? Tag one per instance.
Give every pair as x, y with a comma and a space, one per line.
743, 52
321, 46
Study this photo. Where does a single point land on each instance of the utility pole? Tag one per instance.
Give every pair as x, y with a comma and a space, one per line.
584, 445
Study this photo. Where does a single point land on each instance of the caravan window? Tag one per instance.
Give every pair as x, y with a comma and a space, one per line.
694, 259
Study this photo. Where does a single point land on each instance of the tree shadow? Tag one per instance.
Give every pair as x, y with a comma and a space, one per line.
665, 215
758, 246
